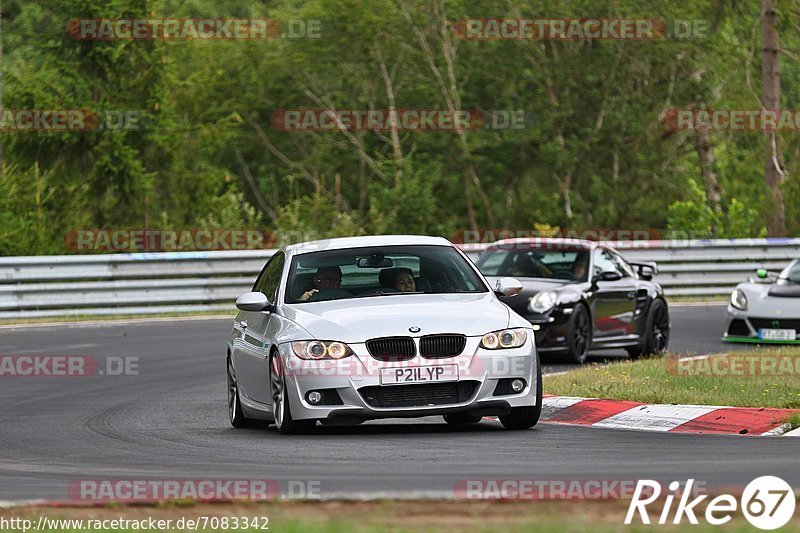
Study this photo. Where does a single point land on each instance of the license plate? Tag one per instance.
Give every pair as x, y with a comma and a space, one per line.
777, 334
419, 374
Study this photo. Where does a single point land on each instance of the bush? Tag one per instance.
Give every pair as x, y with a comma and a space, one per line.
694, 218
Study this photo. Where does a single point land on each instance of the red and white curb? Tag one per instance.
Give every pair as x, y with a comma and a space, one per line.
619, 414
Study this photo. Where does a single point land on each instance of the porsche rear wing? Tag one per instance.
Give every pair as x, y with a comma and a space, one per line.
642, 266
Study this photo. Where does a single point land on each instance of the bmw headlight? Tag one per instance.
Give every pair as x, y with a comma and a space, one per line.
321, 350
506, 338
739, 299
543, 302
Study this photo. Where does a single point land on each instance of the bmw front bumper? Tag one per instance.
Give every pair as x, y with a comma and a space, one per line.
351, 388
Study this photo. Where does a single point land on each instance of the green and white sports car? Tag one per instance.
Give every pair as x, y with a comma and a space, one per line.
766, 309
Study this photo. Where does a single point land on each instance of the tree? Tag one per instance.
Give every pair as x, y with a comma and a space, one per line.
771, 101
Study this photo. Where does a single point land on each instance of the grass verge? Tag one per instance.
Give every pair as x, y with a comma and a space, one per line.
340, 516
121, 317
757, 378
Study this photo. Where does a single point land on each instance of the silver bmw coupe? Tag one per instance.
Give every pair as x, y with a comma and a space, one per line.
346, 330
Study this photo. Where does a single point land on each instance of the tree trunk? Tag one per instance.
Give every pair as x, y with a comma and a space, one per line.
705, 150
771, 101
397, 151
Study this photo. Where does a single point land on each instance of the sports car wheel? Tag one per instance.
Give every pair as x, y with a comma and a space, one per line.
235, 413
579, 339
656, 340
280, 402
526, 417
460, 419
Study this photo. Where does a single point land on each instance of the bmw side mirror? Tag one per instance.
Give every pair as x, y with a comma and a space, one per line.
253, 301
508, 287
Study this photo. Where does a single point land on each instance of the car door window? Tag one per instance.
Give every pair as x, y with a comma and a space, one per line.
491, 263
604, 262
267, 283
622, 266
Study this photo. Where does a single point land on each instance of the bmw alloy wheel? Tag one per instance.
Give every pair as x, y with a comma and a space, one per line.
278, 391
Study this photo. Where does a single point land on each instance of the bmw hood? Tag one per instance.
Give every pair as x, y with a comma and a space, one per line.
354, 320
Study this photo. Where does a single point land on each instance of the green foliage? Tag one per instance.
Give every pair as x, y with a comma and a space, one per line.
231, 211
596, 153
27, 198
693, 217
311, 218
409, 208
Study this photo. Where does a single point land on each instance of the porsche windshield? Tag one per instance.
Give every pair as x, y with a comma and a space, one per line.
379, 271
557, 264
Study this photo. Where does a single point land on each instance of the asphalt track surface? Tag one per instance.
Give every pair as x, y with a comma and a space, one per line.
170, 422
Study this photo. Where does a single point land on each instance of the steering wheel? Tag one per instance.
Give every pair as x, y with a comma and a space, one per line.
563, 273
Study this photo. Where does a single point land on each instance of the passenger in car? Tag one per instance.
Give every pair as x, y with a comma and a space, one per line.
404, 280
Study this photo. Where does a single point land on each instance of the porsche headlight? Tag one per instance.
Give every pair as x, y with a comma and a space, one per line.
321, 350
739, 299
543, 302
506, 338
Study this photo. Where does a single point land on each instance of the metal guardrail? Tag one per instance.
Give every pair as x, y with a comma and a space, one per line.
148, 283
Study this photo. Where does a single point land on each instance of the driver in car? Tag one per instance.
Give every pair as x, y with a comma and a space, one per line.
580, 267
326, 278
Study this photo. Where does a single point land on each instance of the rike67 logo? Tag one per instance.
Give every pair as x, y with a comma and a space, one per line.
767, 502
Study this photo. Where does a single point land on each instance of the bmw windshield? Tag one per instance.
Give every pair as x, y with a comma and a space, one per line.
379, 271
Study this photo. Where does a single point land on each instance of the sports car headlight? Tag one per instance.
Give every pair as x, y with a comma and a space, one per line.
506, 338
321, 349
739, 299
543, 302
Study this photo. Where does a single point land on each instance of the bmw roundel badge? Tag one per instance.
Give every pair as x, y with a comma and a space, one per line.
414, 329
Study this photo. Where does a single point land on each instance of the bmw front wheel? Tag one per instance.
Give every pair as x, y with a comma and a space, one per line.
526, 417
280, 402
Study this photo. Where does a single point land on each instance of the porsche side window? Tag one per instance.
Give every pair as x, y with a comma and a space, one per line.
491, 262
604, 262
623, 267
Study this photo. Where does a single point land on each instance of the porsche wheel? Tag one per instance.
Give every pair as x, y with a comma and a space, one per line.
656, 335
579, 339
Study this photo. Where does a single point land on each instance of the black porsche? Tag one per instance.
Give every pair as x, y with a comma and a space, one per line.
581, 295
